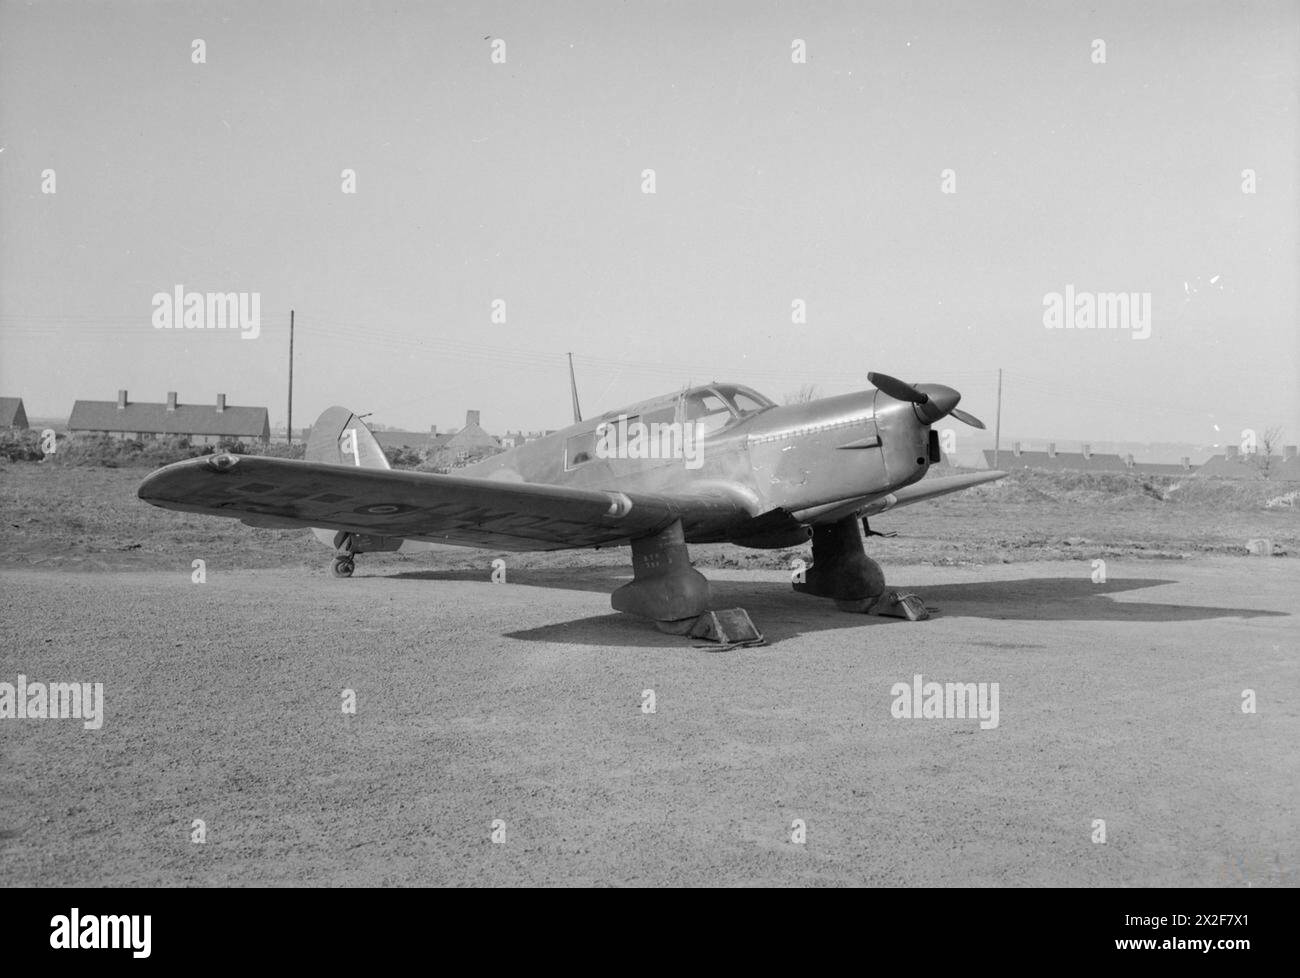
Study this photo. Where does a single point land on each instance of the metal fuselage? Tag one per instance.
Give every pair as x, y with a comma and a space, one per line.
814, 461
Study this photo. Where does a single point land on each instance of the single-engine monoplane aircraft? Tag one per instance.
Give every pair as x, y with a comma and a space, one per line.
715, 463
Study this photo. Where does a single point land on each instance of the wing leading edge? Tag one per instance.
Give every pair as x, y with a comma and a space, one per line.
906, 496
426, 506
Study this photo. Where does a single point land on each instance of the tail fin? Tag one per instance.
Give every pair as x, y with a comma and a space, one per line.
339, 436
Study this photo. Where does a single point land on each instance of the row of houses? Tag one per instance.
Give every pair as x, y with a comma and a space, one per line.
218, 422
202, 424
1232, 464
470, 438
451, 449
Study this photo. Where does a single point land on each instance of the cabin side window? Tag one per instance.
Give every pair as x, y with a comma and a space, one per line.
636, 436
664, 415
614, 432
579, 449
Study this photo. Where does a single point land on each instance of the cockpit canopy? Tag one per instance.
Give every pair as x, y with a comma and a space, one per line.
719, 405
714, 406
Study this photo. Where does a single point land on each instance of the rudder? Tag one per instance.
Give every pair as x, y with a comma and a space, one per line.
340, 437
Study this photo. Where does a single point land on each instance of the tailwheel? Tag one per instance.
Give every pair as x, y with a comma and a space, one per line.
344, 562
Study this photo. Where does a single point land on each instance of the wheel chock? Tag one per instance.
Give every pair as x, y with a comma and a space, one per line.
731, 628
896, 604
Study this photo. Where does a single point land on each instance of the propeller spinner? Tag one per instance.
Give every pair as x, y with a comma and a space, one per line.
932, 401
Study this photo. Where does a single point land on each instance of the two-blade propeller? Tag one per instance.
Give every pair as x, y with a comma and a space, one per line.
933, 401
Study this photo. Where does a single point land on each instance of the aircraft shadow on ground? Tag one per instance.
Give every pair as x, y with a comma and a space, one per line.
780, 612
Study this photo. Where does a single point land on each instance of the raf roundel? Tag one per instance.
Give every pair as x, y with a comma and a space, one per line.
384, 509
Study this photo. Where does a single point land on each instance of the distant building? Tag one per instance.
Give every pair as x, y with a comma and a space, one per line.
438, 439
1053, 461
12, 413
1233, 464
1230, 465
414, 441
202, 424
514, 439
427, 443
468, 445
1185, 467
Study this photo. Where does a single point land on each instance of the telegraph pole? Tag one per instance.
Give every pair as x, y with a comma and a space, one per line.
290, 376
997, 425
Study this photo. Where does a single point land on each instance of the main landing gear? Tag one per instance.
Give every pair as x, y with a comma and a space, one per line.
842, 571
666, 588
344, 562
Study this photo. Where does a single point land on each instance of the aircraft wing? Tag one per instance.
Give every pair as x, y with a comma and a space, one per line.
929, 489
880, 502
488, 513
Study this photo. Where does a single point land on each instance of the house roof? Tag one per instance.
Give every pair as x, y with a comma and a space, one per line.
470, 436
186, 419
1223, 467
402, 439
12, 414
1243, 467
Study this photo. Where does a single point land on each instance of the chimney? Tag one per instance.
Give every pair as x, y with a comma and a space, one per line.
1230, 451
1128, 461
221, 403
1051, 449
171, 400
1288, 453
433, 430
1015, 448
471, 417
1187, 463
1087, 450
121, 400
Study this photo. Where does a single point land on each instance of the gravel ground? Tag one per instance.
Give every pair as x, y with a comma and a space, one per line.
523, 702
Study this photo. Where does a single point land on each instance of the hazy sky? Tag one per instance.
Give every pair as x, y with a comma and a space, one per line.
775, 181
